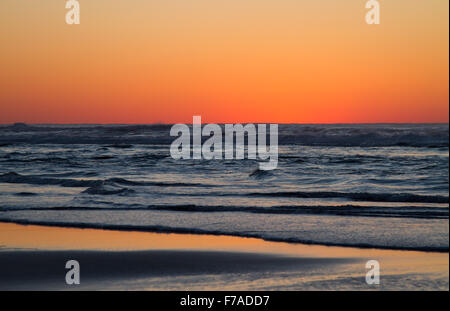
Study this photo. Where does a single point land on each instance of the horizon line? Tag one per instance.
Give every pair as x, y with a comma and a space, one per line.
283, 123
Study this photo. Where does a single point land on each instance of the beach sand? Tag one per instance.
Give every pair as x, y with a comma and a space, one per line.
34, 258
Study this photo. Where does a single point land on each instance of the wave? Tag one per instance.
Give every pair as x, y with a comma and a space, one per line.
103, 157
55, 160
15, 178
181, 230
344, 135
419, 212
260, 174
156, 183
345, 210
105, 189
26, 194
16, 157
358, 196
120, 146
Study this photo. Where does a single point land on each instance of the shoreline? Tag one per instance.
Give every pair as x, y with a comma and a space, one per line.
33, 258
189, 231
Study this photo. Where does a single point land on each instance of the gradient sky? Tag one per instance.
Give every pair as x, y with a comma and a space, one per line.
283, 61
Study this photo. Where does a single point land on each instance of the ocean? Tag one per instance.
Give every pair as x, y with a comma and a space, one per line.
363, 185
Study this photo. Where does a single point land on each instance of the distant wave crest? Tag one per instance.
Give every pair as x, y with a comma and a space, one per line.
125, 136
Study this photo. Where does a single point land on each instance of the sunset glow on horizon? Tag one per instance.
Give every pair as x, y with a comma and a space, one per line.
285, 61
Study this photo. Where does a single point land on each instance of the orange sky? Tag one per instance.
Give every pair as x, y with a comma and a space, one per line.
281, 61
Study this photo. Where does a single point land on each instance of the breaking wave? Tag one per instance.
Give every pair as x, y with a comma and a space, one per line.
16, 178
344, 210
358, 196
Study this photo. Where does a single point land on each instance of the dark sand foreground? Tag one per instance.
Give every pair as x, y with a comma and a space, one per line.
34, 258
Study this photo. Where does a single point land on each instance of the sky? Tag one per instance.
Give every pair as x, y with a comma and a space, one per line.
270, 61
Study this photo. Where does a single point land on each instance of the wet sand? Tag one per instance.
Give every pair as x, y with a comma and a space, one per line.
34, 258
